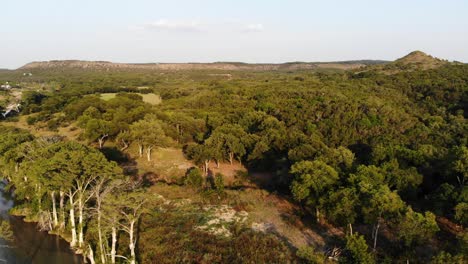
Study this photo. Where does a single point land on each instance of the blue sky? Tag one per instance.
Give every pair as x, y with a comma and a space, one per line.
225, 30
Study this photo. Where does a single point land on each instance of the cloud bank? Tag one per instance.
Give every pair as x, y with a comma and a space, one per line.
167, 25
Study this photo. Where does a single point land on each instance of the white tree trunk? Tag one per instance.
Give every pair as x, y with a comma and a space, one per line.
140, 150
114, 243
148, 152
207, 166
125, 145
231, 157
101, 141
101, 246
54, 209
376, 234
80, 221
62, 210
131, 244
72, 222
317, 213
91, 255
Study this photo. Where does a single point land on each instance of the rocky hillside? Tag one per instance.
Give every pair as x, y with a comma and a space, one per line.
104, 65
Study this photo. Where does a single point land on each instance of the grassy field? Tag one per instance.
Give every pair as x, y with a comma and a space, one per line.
107, 96
150, 98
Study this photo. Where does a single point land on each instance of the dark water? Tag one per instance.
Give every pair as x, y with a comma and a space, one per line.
31, 245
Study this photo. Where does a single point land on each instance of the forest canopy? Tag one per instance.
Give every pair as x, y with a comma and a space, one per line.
364, 149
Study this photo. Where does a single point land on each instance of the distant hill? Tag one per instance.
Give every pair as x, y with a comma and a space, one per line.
104, 65
421, 59
416, 60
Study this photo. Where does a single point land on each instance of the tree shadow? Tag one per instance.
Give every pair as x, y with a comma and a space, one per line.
114, 154
126, 161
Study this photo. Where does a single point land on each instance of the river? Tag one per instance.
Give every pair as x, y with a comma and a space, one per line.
31, 245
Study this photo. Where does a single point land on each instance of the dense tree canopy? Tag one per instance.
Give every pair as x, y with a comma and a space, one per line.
376, 147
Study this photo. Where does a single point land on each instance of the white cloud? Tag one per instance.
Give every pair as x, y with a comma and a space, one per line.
254, 28
166, 25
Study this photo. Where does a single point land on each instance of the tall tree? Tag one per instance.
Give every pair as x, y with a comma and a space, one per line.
150, 134
311, 180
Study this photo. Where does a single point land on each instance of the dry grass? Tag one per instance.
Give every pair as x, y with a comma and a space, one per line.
264, 209
150, 98
70, 132
108, 96
278, 214
168, 163
228, 171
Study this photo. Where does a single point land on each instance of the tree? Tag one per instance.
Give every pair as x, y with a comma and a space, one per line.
193, 178
444, 258
460, 164
124, 139
311, 180
102, 190
461, 213
150, 134
378, 201
310, 256
341, 206
130, 204
341, 158
73, 169
356, 250
219, 183
229, 141
401, 179
6, 232
416, 227
381, 204
99, 130
201, 155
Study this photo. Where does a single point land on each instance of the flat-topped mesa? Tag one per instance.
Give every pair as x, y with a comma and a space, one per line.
192, 66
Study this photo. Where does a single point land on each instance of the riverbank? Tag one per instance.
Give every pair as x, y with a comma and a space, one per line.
29, 244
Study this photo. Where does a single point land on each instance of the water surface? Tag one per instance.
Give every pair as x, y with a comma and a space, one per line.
31, 245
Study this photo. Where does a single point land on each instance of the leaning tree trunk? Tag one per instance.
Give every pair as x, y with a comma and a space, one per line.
376, 233
125, 145
317, 214
91, 255
72, 222
101, 140
54, 209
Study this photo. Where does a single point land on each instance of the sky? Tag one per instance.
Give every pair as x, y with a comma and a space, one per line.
254, 31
